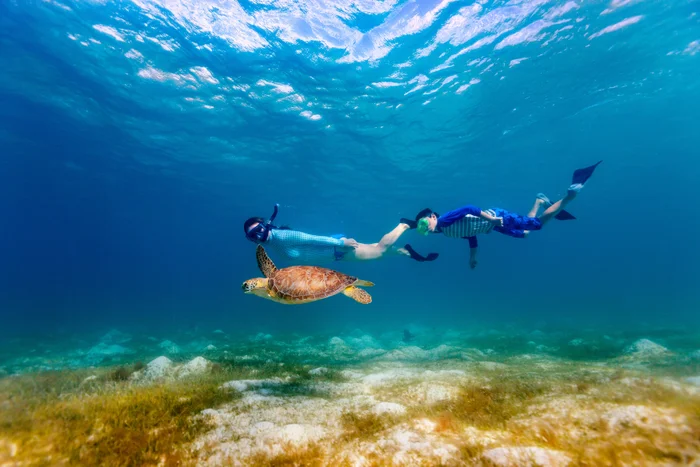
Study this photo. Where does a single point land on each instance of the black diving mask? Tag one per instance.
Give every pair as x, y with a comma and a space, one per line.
258, 234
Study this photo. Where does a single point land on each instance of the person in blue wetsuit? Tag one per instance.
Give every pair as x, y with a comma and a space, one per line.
303, 248
469, 221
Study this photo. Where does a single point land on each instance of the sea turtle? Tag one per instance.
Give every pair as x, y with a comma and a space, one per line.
302, 284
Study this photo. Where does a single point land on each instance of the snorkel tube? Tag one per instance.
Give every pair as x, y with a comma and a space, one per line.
272, 217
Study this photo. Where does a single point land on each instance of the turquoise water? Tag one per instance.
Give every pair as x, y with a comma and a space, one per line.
136, 137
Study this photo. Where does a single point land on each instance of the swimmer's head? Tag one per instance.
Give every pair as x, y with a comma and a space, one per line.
426, 221
257, 230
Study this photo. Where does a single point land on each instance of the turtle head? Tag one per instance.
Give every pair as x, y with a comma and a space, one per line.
256, 286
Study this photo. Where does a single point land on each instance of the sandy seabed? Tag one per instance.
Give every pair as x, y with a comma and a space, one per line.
477, 397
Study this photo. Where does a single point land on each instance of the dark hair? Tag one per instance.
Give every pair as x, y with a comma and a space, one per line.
284, 227
251, 221
425, 213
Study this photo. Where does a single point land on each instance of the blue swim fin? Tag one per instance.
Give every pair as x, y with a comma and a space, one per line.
338, 236
582, 175
418, 257
564, 216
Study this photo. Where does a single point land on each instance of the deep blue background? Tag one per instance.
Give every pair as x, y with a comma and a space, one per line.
120, 209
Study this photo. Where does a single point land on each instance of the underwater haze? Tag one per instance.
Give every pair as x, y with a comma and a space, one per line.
137, 136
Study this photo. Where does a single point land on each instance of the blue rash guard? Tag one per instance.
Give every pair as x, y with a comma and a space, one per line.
301, 247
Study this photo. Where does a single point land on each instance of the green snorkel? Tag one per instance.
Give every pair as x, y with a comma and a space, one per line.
422, 227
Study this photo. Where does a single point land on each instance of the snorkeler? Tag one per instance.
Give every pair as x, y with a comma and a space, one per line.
314, 249
469, 221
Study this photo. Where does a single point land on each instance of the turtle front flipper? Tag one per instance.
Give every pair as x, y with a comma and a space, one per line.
267, 267
358, 295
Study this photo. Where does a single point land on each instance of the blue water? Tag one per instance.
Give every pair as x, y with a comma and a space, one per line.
137, 136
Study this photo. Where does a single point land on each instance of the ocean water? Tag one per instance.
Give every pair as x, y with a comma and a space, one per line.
137, 136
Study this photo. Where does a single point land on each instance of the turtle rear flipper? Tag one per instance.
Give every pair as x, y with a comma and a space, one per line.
358, 295
267, 267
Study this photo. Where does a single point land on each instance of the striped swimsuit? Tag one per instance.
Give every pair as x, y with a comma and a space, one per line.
469, 226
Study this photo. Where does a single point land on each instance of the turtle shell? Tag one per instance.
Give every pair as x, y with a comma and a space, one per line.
308, 283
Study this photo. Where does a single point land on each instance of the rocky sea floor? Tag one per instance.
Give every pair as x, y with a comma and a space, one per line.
419, 397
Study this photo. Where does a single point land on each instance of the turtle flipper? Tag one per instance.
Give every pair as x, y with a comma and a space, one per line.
358, 295
267, 267
362, 283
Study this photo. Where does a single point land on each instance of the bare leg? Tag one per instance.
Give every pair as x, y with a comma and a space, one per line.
401, 251
535, 208
366, 251
556, 207
393, 236
533, 212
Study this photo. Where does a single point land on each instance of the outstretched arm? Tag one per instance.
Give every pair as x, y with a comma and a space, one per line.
493, 219
473, 248
451, 217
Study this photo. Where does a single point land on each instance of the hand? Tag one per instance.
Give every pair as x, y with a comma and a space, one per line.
497, 221
409, 222
473, 262
350, 243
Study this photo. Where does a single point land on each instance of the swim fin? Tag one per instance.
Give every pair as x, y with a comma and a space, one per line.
582, 175
415, 255
410, 222
564, 216
432, 257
